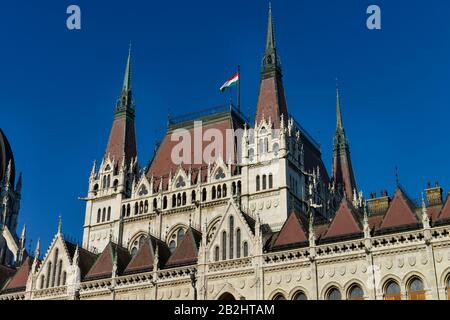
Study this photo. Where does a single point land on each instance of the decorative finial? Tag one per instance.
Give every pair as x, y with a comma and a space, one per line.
60, 224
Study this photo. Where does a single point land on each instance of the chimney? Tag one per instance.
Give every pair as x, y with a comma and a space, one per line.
379, 205
434, 195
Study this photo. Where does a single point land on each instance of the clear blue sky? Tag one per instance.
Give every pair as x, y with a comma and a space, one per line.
58, 87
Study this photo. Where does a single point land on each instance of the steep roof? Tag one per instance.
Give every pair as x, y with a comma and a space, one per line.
163, 164
345, 222
19, 280
103, 266
292, 233
445, 213
6, 155
144, 259
5, 274
400, 212
187, 251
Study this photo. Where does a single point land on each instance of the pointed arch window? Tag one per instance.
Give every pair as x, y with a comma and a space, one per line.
270, 181
54, 267
258, 183
174, 201
172, 246
334, 294
128, 210
193, 196
245, 249
204, 194
155, 204
224, 245
64, 278
49, 270
213, 194
109, 213
233, 188
136, 209
266, 145
179, 200
416, 290
58, 277
146, 206
180, 235
224, 190
264, 182
356, 293
216, 253
239, 188
104, 215
231, 226
392, 291
238, 243
219, 192
165, 202
42, 282
184, 199
123, 211
99, 214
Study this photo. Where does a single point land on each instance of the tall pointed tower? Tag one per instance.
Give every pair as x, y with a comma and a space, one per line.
271, 100
122, 139
343, 175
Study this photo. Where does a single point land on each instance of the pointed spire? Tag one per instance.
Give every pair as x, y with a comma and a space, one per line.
37, 251
24, 232
270, 43
339, 123
76, 256
127, 77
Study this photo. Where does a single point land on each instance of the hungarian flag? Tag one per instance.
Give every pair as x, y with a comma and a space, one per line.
231, 82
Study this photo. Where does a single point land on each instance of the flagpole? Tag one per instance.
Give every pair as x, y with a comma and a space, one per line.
239, 89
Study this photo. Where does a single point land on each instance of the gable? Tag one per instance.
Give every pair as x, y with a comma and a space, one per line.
344, 223
103, 267
291, 233
144, 260
399, 213
187, 251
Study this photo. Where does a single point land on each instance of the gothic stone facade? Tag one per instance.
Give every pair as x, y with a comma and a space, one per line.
269, 224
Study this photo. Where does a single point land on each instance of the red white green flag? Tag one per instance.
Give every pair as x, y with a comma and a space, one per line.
231, 82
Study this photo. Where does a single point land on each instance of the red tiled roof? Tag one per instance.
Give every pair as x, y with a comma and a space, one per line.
86, 258
163, 163
187, 251
103, 266
5, 274
19, 280
345, 222
434, 211
375, 221
143, 261
320, 230
400, 212
445, 214
122, 140
292, 232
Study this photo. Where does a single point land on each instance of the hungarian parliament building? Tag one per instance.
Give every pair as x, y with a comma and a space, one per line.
261, 219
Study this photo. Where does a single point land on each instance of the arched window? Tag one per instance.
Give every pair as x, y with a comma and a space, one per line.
174, 201
49, 273
124, 211
42, 282
300, 296
184, 199
204, 194
233, 188
258, 183
180, 235
219, 192
238, 243
64, 277
239, 188
99, 214
448, 287
179, 200
103, 184
134, 251
392, 291
108, 181
355, 293
116, 184
104, 215
165, 202
109, 213
55, 266
416, 290
333, 294
141, 207
155, 204
213, 193
270, 181
224, 245
172, 246
245, 249
224, 190
136, 209
58, 277
193, 196
128, 210
231, 237
279, 297
146, 206
266, 145
216, 253
264, 184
